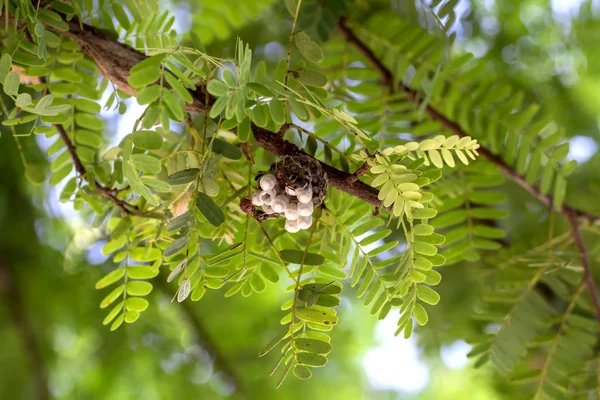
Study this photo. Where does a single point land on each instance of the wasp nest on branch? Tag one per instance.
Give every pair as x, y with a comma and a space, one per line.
293, 187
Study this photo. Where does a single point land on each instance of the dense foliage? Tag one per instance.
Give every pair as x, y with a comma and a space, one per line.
415, 137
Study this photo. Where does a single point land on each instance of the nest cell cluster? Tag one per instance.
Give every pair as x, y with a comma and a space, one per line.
292, 188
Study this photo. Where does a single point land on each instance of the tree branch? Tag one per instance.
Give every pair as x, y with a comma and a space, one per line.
18, 314
570, 213
452, 126
115, 60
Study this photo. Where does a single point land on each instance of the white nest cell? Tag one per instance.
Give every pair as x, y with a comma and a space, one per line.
279, 203
256, 199
305, 195
292, 226
291, 212
305, 209
305, 222
267, 182
267, 197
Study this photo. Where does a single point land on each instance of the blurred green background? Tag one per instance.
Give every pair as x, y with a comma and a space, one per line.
52, 342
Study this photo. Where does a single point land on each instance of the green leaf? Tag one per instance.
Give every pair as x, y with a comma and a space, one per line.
139, 288
183, 177
312, 77
11, 84
302, 372
112, 296
297, 256
229, 78
144, 77
110, 278
179, 222
420, 314
324, 288
423, 230
312, 346
68, 75
173, 105
424, 213
5, 64
155, 184
311, 359
147, 140
209, 209
309, 49
131, 316
121, 16
144, 254
118, 322
35, 173
176, 246
425, 248
179, 88
488, 232
197, 42
271, 345
428, 295
269, 273
146, 163
136, 304
277, 112
316, 316
217, 88
298, 108
142, 272
244, 130
149, 94
44, 103
23, 100
487, 197
226, 149
149, 63
112, 314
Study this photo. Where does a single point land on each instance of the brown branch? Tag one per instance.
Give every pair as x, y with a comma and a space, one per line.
18, 314
452, 126
115, 60
360, 171
588, 279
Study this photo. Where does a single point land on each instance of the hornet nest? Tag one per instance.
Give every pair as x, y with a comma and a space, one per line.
293, 187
